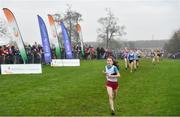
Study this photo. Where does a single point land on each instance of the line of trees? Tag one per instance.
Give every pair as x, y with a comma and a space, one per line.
109, 32
173, 45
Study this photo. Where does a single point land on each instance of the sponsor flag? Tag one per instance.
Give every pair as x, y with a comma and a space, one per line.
55, 36
45, 41
78, 28
16, 33
67, 43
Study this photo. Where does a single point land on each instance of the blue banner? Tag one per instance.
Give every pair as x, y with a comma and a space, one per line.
67, 44
45, 40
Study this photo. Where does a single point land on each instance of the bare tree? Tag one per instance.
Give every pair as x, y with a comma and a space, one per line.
71, 19
110, 29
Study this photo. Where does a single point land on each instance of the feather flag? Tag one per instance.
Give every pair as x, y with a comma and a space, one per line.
45, 40
67, 43
17, 35
55, 36
78, 28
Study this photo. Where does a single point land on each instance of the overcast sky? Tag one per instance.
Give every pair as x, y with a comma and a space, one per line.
143, 19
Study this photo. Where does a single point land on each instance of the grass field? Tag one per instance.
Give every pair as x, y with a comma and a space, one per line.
151, 90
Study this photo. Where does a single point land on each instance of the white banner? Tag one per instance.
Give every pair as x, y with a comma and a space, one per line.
21, 68
65, 62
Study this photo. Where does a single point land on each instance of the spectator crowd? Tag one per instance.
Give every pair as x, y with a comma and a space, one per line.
10, 54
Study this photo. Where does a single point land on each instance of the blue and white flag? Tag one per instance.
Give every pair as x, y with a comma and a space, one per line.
67, 43
45, 40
